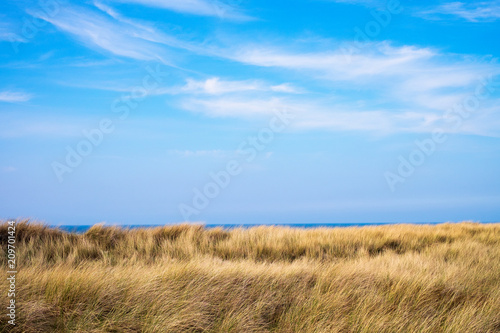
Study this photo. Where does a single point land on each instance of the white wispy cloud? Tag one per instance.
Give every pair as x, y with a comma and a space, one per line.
286, 88
309, 114
398, 74
212, 8
312, 114
199, 153
379, 59
473, 11
213, 153
9, 169
470, 11
407, 88
108, 31
367, 3
18, 128
9, 34
108, 10
218, 86
232, 106
421, 113
14, 96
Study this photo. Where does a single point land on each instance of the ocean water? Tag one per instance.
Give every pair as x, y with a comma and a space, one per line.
84, 228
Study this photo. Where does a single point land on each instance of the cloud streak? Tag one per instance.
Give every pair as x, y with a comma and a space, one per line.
14, 96
322, 115
200, 153
310, 114
7, 35
218, 86
216, 9
472, 12
106, 30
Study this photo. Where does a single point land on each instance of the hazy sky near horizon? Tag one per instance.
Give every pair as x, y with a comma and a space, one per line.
150, 111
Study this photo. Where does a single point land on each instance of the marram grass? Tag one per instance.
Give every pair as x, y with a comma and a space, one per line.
185, 278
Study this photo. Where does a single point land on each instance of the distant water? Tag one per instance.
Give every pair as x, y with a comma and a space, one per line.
84, 228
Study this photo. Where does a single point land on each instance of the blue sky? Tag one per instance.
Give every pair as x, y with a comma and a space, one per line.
238, 111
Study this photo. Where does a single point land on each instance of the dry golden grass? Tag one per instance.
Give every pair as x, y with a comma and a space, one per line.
185, 278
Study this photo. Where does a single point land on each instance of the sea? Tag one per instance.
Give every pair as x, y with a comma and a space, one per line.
84, 228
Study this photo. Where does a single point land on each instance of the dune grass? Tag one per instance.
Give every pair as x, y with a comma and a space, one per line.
185, 278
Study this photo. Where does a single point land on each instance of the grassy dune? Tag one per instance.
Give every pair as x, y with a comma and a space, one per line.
183, 278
